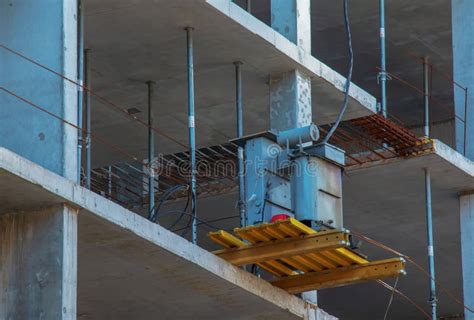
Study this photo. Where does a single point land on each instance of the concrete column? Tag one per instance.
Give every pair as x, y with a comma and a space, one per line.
292, 18
290, 101
463, 71
466, 205
38, 267
38, 248
45, 31
290, 93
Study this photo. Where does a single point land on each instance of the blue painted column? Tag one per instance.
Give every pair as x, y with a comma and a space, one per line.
463, 71
466, 205
39, 257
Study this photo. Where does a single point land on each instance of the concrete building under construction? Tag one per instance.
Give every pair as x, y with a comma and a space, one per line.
221, 159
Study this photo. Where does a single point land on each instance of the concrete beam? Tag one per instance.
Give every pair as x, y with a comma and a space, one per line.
38, 266
466, 207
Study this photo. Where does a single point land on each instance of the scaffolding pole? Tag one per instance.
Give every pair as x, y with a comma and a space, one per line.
88, 116
429, 227
383, 67
240, 133
191, 123
151, 150
80, 79
426, 89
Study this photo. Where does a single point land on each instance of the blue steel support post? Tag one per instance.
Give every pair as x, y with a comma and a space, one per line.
429, 226
80, 79
151, 150
383, 66
426, 96
240, 133
191, 122
88, 116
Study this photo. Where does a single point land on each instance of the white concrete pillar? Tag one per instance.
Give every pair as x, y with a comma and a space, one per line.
466, 205
38, 264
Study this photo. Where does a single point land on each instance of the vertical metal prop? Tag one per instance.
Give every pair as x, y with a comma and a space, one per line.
429, 226
240, 133
88, 117
109, 182
151, 150
80, 79
192, 141
426, 90
249, 6
383, 66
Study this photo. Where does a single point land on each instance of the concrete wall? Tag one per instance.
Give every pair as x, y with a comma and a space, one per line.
46, 32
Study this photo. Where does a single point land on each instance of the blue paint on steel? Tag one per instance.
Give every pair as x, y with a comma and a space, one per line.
88, 117
80, 79
463, 71
191, 125
240, 133
383, 66
426, 89
429, 227
34, 28
151, 150
261, 154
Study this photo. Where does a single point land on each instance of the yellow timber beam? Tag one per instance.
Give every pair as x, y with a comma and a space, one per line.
285, 248
342, 276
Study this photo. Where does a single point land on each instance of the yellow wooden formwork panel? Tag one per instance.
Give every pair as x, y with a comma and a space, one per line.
227, 240
341, 257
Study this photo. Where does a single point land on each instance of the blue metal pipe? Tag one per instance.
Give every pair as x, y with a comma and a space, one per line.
240, 133
383, 66
192, 138
80, 79
429, 227
88, 116
426, 89
151, 151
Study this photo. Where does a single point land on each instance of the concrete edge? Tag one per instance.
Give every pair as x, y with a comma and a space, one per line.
95, 204
440, 149
310, 64
452, 156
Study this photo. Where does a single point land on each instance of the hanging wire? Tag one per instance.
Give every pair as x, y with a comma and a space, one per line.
349, 74
391, 299
418, 266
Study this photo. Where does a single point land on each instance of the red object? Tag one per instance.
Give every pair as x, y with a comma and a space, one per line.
280, 216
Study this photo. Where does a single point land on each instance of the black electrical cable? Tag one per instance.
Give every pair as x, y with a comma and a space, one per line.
349, 75
154, 212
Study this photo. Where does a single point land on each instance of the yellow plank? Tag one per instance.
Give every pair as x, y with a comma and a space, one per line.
227, 240
285, 248
342, 276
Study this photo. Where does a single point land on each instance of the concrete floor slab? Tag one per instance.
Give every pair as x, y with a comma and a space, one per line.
132, 42
131, 268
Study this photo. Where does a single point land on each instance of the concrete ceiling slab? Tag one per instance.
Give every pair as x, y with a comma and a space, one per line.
135, 41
